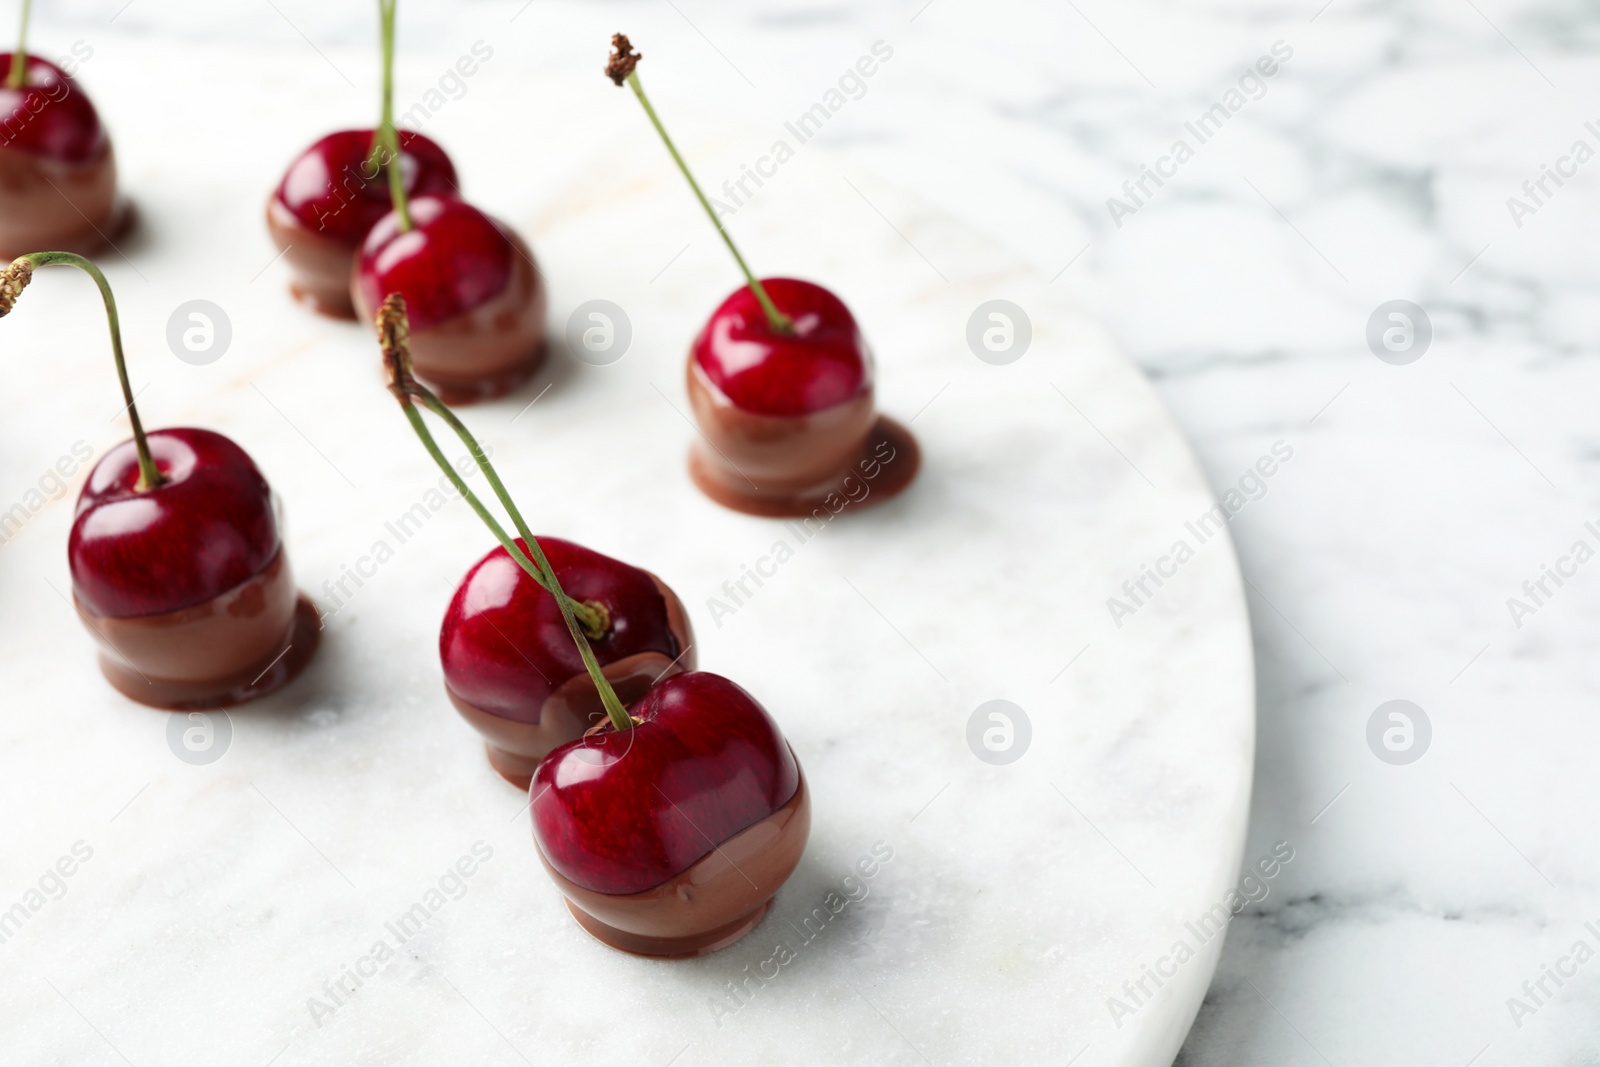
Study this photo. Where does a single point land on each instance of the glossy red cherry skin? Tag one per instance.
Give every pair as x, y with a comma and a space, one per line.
823, 363
49, 116
504, 645
331, 189
208, 528
621, 812
455, 258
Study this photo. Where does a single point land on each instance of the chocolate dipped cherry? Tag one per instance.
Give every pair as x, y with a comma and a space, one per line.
58, 174
330, 198
475, 297
335, 192
516, 676
787, 413
670, 836
669, 829
178, 567
781, 383
529, 666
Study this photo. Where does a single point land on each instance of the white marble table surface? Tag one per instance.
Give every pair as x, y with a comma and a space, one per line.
1376, 165
328, 812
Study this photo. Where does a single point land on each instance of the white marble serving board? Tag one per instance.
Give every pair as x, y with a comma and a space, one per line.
223, 902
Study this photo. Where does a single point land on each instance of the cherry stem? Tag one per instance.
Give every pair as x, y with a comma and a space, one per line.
584, 620
15, 278
19, 59
778, 320
386, 145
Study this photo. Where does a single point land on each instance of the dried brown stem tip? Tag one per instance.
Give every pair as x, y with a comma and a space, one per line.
623, 59
14, 279
394, 337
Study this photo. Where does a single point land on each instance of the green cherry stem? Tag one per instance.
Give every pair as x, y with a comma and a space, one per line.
622, 70
584, 620
19, 59
15, 278
432, 402
386, 145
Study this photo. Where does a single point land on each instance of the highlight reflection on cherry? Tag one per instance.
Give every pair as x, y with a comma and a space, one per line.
819, 362
178, 567
781, 383
672, 837
669, 825
512, 670
475, 296
787, 414
58, 173
332, 195
207, 527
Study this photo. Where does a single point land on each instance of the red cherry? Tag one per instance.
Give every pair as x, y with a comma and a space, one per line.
504, 645
455, 258
208, 528
49, 116
823, 363
331, 189
623, 811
